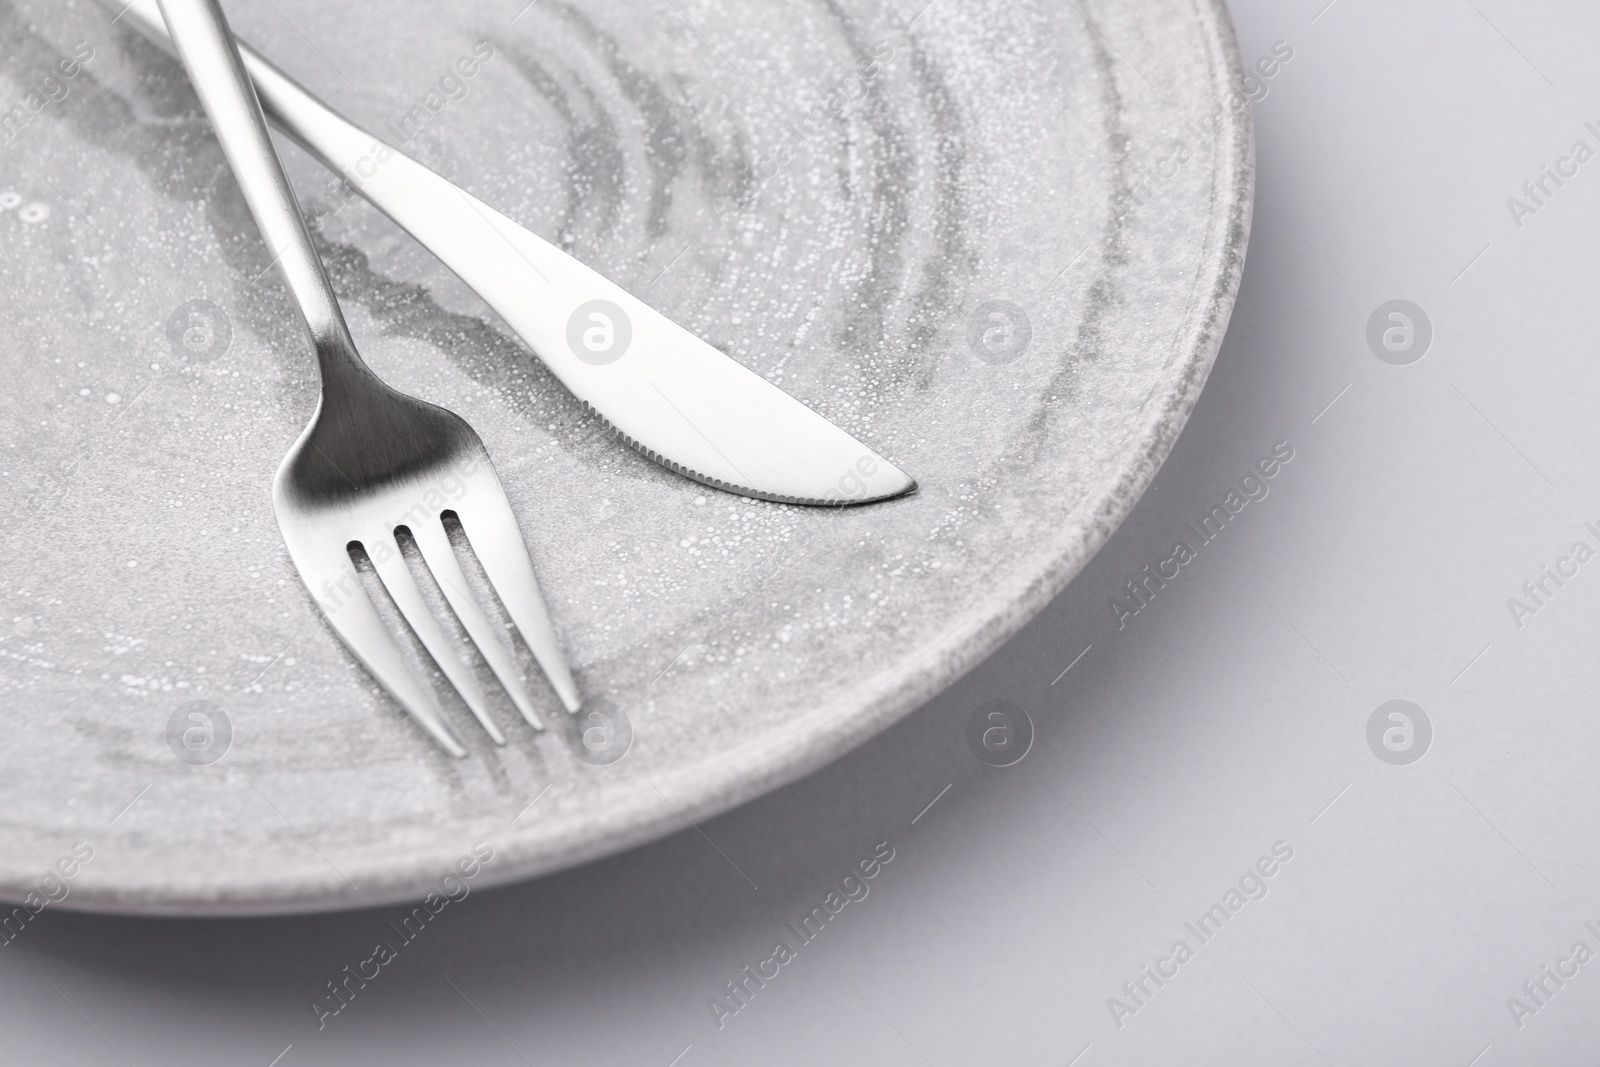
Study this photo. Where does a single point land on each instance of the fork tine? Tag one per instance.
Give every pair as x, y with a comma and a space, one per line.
436, 549
337, 590
402, 586
492, 529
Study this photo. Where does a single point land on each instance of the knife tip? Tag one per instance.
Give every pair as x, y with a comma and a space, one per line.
892, 484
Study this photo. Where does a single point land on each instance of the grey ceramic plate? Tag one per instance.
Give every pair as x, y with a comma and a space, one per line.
996, 240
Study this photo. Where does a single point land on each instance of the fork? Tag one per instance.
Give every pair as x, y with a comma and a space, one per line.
374, 462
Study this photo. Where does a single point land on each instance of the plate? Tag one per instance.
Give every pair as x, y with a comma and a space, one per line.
997, 241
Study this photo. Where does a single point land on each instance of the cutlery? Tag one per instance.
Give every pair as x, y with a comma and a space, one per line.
665, 391
373, 462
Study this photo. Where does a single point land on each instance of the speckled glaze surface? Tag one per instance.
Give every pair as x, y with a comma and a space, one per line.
998, 243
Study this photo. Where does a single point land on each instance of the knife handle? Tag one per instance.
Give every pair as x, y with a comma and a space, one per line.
528, 282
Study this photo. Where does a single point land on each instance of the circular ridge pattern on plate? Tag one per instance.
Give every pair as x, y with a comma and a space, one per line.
990, 242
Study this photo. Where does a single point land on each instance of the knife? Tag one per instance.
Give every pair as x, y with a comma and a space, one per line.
672, 396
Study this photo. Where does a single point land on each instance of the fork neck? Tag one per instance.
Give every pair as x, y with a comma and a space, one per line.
211, 57
341, 365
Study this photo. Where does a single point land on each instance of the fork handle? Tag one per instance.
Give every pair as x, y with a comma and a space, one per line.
511, 269
211, 56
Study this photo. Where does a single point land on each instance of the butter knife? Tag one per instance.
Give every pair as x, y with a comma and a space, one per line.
666, 392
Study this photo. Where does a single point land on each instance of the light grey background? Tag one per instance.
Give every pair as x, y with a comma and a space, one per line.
1228, 715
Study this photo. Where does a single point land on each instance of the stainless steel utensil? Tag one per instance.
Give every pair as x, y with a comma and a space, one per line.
671, 395
374, 461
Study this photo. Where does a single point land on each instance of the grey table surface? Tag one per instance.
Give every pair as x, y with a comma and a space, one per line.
1429, 911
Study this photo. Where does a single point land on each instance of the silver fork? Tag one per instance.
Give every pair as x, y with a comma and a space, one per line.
374, 461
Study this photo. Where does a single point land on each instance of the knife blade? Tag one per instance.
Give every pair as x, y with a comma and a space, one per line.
664, 391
